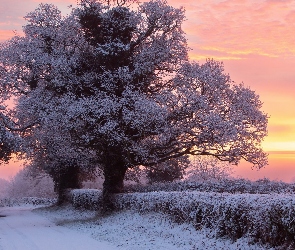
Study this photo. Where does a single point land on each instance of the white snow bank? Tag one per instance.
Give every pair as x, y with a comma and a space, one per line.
131, 230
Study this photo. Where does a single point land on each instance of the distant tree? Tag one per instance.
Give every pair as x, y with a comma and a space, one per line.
117, 81
168, 171
31, 184
204, 168
3, 187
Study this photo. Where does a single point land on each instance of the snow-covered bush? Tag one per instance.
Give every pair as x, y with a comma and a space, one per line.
265, 218
262, 186
86, 198
35, 201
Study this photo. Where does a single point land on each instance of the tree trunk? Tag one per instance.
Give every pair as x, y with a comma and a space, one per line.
113, 183
65, 180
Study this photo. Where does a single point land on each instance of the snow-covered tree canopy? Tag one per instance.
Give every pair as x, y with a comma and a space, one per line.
10, 142
117, 80
7, 145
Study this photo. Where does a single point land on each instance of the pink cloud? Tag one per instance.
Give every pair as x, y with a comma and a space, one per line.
231, 29
241, 27
13, 11
279, 1
5, 35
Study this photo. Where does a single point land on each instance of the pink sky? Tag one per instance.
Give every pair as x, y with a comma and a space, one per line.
254, 38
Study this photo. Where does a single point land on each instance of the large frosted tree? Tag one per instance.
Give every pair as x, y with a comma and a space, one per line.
116, 81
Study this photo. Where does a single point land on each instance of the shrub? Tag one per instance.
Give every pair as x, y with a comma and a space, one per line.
86, 198
265, 218
35, 201
263, 186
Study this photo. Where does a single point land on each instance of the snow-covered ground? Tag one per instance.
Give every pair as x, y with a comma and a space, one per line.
66, 228
22, 229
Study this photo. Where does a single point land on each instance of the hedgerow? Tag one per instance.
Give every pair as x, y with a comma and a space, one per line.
262, 186
264, 218
10, 202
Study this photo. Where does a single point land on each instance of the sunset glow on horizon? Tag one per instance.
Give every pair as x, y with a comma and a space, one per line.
254, 39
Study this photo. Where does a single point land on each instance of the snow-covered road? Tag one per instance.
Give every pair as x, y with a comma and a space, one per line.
21, 229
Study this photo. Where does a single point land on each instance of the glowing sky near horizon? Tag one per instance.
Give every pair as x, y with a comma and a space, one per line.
254, 38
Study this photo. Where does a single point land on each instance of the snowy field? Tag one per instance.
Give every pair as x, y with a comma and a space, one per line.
31, 228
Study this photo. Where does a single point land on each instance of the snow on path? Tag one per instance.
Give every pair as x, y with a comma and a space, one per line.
21, 229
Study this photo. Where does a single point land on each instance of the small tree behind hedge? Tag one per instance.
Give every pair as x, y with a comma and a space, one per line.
207, 168
168, 171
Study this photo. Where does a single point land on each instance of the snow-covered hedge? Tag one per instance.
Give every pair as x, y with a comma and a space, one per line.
269, 219
85, 198
262, 186
10, 202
